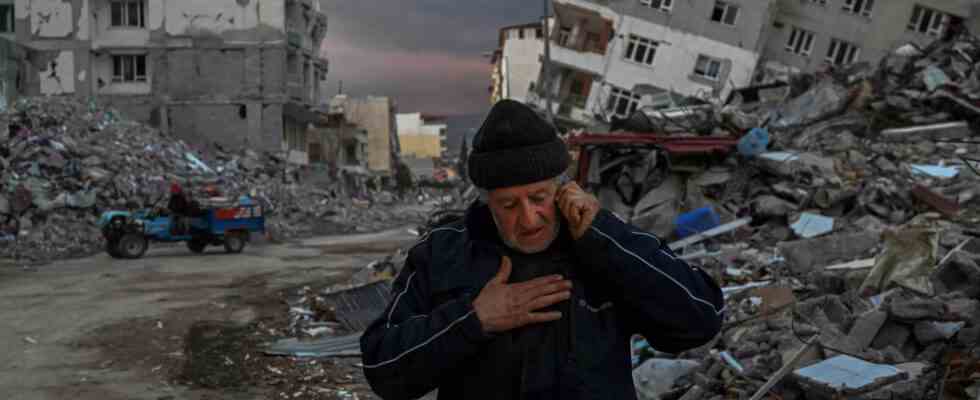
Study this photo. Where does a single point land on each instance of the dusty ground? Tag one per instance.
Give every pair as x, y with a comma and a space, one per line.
173, 325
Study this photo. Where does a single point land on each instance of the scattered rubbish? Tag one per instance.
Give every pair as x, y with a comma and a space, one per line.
754, 143
935, 171
697, 221
908, 259
343, 346
656, 376
812, 225
30, 340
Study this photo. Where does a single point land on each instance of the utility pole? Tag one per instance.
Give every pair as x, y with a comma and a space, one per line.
545, 87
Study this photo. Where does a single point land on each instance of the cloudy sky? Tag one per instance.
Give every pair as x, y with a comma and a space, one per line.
427, 54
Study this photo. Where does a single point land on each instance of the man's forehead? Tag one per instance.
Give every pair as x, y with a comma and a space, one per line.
543, 187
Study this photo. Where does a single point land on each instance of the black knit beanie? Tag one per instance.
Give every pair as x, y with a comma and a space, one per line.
515, 147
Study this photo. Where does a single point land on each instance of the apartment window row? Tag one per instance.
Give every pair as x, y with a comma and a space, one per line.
858, 7
640, 50
127, 13
840, 52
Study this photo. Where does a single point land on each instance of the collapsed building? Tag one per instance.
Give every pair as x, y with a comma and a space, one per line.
240, 73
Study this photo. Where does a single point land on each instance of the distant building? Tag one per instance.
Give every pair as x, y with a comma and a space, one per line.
517, 62
421, 135
608, 57
376, 115
240, 73
807, 36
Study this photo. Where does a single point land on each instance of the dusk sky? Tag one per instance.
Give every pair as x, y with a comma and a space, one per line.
426, 54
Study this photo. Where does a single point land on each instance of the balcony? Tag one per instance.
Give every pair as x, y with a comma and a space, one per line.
583, 61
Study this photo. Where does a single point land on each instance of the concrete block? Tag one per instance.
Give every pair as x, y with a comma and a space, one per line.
917, 308
771, 206
803, 256
891, 334
968, 336
927, 332
845, 376
866, 328
959, 273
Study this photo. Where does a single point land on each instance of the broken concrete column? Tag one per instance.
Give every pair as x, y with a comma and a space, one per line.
866, 328
803, 256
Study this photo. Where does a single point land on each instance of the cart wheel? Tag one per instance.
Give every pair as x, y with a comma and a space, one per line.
112, 248
132, 246
197, 245
234, 242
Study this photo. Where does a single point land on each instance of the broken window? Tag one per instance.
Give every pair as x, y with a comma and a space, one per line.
129, 68
538, 33
862, 7
820, 2
564, 35
622, 102
520, 33
725, 12
800, 42
6, 18
659, 5
128, 13
707, 67
640, 50
928, 21
842, 53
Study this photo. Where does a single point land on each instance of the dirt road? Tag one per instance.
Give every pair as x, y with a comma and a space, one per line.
99, 328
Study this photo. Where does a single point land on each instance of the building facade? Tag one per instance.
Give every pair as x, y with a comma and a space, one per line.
376, 115
607, 57
421, 135
812, 35
241, 73
517, 62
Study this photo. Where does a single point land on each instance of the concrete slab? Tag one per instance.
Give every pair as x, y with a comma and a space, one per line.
846, 376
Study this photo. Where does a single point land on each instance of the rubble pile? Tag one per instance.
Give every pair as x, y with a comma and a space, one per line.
842, 227
66, 161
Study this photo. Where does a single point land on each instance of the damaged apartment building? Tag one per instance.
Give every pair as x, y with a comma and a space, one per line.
608, 57
240, 73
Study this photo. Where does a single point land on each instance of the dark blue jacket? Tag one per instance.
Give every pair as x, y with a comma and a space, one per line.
626, 281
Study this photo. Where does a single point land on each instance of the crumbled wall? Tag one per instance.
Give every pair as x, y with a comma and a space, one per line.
48, 18
58, 76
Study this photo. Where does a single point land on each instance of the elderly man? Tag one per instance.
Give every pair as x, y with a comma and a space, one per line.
536, 292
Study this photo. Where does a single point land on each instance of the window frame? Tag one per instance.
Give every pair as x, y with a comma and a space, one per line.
919, 16
800, 42
726, 12
633, 43
665, 6
848, 51
864, 8
706, 72
617, 95
119, 68
126, 14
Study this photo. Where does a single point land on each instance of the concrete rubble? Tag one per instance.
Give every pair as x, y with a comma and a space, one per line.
66, 161
858, 275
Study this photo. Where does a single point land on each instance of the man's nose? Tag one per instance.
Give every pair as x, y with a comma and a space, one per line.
529, 217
